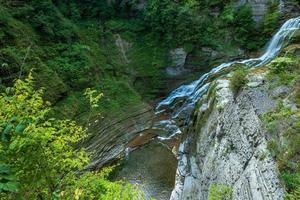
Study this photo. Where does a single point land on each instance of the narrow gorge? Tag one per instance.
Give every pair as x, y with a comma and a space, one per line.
150, 99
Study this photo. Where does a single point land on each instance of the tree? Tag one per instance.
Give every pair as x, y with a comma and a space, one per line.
94, 99
38, 155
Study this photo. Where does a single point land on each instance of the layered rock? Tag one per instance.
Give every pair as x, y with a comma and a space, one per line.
110, 137
226, 144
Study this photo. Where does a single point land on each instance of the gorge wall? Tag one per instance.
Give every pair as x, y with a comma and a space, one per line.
228, 142
228, 145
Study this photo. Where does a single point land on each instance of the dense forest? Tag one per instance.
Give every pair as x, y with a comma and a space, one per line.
65, 64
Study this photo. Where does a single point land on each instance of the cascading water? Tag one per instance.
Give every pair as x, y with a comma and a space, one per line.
182, 100
153, 166
189, 94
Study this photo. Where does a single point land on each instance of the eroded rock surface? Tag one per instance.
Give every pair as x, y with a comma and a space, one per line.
226, 144
112, 135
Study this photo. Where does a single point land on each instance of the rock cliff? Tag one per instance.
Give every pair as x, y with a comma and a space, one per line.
226, 144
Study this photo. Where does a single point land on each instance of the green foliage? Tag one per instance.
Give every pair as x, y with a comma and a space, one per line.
40, 152
286, 152
238, 80
47, 19
271, 19
172, 20
282, 64
292, 181
245, 28
118, 25
8, 182
178, 23
294, 195
93, 97
284, 68
96, 186
219, 192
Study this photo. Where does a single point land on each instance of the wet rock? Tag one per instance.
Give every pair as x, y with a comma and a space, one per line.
110, 137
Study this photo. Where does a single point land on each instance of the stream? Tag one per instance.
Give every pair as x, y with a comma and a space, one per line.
152, 166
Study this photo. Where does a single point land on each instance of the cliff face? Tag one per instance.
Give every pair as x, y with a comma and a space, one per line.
227, 144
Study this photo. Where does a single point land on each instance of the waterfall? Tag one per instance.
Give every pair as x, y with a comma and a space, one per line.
185, 97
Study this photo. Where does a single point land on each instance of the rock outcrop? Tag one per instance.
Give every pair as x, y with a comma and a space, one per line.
111, 136
178, 57
226, 144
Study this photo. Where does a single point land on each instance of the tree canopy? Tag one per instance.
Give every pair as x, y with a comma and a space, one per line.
39, 155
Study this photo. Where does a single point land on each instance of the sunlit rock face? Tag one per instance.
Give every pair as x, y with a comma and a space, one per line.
228, 145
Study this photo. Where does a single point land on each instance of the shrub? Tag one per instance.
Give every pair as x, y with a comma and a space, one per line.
244, 26
292, 180
284, 68
271, 19
281, 64
238, 80
219, 192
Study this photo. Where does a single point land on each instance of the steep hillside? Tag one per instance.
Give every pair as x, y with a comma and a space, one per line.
113, 66
120, 48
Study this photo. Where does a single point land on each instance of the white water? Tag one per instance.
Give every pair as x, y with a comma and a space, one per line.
188, 95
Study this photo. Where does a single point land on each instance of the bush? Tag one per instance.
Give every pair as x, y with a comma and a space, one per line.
49, 22
238, 80
281, 64
284, 68
244, 27
219, 192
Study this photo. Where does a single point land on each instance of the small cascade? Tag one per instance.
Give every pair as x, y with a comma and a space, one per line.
158, 154
184, 98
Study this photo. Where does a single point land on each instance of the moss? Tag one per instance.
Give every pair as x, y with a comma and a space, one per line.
202, 117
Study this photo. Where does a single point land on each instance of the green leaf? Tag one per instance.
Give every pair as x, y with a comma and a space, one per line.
20, 128
6, 133
9, 187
